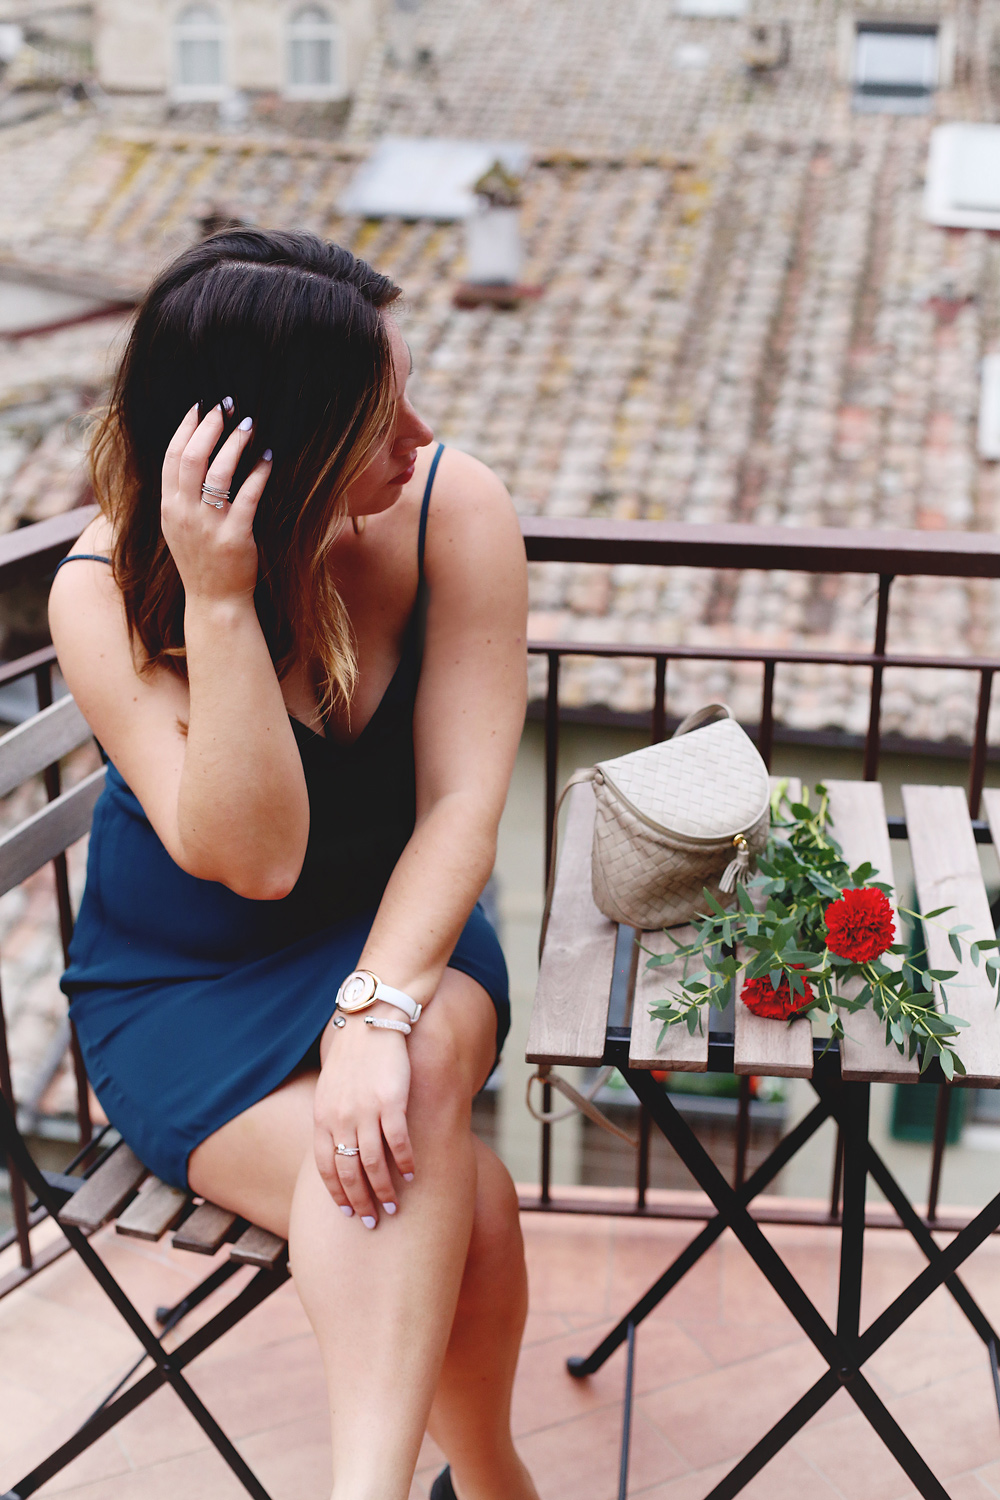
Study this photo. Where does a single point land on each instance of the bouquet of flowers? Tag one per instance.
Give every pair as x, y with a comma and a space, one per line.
812, 935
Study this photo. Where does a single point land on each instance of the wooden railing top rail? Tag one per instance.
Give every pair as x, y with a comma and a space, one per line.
813, 549
588, 539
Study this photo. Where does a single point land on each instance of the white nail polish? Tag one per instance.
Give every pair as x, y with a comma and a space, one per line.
390, 1208
246, 424
227, 403
368, 1220
347, 1210
407, 1176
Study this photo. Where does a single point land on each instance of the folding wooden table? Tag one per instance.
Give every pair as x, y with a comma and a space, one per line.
584, 1016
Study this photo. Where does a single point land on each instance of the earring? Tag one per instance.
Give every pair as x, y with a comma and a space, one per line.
358, 522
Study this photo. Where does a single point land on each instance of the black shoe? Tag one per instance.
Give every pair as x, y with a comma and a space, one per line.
442, 1488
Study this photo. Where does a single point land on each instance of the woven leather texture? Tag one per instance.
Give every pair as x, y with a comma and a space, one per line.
701, 790
710, 783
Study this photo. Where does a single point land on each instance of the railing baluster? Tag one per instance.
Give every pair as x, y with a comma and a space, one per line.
940, 1142
742, 1133
642, 1164
660, 701
977, 764
18, 1195
765, 735
873, 740
551, 754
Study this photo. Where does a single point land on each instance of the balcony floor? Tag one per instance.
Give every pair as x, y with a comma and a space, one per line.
717, 1363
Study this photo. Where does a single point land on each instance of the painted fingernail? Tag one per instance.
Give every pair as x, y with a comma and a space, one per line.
347, 1210
246, 424
268, 455
227, 403
368, 1220
407, 1176
390, 1208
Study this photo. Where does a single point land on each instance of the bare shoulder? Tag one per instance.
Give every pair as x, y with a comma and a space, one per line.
86, 616
471, 516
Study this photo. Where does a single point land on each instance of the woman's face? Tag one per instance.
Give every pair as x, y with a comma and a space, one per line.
381, 482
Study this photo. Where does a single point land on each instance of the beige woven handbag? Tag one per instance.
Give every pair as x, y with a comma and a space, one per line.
676, 818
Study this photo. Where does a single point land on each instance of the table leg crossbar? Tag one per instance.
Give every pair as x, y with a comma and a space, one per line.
845, 1350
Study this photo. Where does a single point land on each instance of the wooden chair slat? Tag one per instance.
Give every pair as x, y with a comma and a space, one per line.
570, 1013
858, 823
205, 1230
48, 832
946, 873
155, 1209
105, 1193
772, 1047
260, 1248
679, 1052
41, 740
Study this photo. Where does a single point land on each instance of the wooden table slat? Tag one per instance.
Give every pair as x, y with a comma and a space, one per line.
570, 1013
772, 1048
155, 1209
859, 825
680, 1052
947, 873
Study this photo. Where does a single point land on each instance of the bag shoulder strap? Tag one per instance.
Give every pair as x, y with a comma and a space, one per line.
584, 773
709, 713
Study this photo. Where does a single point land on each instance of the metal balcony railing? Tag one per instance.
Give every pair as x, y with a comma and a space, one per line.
32, 553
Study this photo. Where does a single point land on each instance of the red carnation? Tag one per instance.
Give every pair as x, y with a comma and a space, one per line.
760, 996
859, 926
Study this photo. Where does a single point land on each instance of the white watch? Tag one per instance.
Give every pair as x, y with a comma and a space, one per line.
362, 988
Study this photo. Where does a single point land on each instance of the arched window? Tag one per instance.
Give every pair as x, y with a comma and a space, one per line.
199, 71
313, 54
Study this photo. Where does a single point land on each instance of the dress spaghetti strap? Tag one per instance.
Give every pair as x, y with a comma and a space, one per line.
425, 506
81, 557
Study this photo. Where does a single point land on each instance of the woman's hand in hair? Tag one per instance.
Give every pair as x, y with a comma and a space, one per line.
361, 1099
214, 550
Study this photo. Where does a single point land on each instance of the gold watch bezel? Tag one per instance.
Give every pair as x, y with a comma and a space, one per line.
371, 983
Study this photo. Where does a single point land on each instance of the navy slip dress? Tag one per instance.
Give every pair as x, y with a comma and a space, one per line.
192, 1003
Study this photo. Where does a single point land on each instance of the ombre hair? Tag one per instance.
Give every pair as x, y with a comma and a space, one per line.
291, 327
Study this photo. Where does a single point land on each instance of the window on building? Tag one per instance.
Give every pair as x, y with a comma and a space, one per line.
199, 71
963, 176
313, 61
895, 67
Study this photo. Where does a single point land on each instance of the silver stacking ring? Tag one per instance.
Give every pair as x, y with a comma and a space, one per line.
348, 1150
221, 496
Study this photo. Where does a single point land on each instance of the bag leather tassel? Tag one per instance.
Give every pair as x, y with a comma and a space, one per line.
738, 871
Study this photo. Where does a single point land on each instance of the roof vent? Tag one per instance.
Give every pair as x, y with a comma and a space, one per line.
989, 408
963, 177
895, 67
711, 9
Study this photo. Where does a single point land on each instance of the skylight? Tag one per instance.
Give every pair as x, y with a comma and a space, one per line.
718, 9
963, 177
895, 67
989, 408
411, 178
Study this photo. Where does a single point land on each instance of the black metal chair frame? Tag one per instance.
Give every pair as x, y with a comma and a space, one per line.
845, 1348
52, 1191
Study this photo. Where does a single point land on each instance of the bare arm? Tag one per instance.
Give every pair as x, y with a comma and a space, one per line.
467, 725
227, 798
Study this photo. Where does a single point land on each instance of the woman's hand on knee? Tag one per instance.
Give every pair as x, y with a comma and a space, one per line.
361, 1100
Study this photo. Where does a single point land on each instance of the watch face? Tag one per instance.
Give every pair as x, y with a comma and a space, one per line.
357, 990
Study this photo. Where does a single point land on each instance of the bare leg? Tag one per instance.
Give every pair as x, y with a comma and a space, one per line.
470, 1418
383, 1303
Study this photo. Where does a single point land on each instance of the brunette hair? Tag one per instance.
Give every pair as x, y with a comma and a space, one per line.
290, 327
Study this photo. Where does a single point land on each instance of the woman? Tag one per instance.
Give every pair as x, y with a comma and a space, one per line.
311, 723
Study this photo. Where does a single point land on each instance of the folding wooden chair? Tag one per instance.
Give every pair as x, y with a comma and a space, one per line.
106, 1182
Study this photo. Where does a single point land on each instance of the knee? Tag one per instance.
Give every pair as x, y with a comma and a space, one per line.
439, 1074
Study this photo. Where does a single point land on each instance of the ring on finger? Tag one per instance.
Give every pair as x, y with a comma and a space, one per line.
343, 1150
219, 495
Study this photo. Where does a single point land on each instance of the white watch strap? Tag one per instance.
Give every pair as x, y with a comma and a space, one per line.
401, 1001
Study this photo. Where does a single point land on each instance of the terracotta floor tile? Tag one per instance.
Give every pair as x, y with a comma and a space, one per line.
53, 1347
727, 1344
253, 1392
969, 1487
569, 1274
915, 1358
578, 1460
954, 1423
545, 1392
719, 1416
292, 1460
853, 1457
194, 1476
787, 1477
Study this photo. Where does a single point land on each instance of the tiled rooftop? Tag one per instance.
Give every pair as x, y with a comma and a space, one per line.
718, 1362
